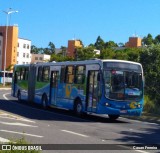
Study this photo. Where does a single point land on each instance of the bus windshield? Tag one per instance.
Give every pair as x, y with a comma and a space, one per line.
123, 85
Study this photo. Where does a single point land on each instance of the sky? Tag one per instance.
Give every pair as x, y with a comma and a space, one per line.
57, 21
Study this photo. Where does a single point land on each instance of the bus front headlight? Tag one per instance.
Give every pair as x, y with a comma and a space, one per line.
107, 104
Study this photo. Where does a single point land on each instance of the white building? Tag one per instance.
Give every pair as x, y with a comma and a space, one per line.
1, 47
97, 52
40, 58
24, 51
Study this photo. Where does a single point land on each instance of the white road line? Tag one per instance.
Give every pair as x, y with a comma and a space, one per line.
5, 88
12, 117
44, 110
4, 95
82, 135
141, 151
17, 124
32, 135
4, 140
134, 150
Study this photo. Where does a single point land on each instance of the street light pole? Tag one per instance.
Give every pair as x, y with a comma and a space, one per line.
5, 50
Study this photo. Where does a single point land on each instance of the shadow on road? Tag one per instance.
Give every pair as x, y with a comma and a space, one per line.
149, 135
33, 111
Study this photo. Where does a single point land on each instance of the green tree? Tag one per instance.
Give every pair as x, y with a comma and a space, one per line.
99, 44
157, 39
150, 59
110, 44
133, 54
34, 49
85, 53
64, 50
50, 49
121, 44
148, 40
107, 53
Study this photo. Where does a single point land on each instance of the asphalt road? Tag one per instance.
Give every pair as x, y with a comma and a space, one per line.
55, 126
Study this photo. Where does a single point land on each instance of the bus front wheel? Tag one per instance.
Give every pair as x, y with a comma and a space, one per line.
113, 117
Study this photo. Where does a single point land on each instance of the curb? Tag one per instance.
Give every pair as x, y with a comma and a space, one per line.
145, 118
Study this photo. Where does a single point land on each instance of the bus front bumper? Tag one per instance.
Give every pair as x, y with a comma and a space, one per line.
115, 111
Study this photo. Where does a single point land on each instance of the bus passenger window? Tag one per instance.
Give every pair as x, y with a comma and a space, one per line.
80, 75
45, 74
70, 74
22, 74
39, 76
62, 79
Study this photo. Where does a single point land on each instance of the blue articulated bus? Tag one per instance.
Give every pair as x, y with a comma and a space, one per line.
112, 87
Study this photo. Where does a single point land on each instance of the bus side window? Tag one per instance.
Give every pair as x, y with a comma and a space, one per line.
69, 74
39, 76
62, 79
26, 74
80, 74
45, 74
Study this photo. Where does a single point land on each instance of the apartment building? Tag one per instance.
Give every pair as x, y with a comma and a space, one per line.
40, 58
1, 48
134, 42
23, 51
72, 45
11, 51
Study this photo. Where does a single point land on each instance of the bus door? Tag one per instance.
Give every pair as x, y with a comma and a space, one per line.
92, 91
53, 86
14, 83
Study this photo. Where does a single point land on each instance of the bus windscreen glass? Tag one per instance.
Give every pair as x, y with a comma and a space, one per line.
123, 84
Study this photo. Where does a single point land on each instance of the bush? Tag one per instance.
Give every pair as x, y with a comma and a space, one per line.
149, 105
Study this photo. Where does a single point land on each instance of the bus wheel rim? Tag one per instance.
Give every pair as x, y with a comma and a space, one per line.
44, 102
79, 108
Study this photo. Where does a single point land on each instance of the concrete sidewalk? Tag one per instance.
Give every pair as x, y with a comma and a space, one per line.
146, 117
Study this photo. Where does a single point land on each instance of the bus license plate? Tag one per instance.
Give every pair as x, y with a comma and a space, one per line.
123, 111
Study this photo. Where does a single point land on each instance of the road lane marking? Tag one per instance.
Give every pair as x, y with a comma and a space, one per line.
12, 117
82, 135
17, 124
141, 151
4, 140
4, 96
32, 135
5, 88
133, 149
44, 110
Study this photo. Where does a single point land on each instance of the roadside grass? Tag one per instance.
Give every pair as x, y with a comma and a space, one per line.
19, 142
151, 107
7, 85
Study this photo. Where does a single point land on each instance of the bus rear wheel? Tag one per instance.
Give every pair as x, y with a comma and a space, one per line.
113, 117
78, 108
44, 101
19, 96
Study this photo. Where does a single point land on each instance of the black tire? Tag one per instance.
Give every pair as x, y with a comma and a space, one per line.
44, 101
113, 117
19, 96
78, 108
